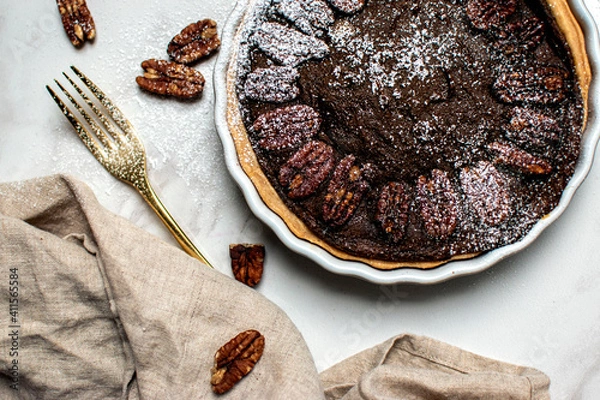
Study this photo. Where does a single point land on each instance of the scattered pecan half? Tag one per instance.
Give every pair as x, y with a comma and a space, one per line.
195, 41
77, 21
275, 84
520, 36
348, 6
247, 261
286, 127
235, 359
170, 79
304, 172
487, 192
344, 193
309, 16
438, 204
485, 14
288, 46
541, 85
392, 210
518, 159
532, 129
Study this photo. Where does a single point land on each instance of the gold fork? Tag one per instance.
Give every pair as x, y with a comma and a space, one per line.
119, 150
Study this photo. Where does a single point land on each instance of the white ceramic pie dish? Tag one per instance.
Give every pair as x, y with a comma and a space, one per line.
402, 275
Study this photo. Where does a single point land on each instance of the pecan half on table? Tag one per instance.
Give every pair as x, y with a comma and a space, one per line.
195, 41
171, 79
235, 359
247, 262
77, 21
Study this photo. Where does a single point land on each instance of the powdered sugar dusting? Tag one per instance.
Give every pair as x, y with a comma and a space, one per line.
310, 16
288, 46
274, 84
409, 55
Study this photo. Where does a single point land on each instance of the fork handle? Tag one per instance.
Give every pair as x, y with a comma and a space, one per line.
165, 216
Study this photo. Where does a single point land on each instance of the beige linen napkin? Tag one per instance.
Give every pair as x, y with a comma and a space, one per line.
412, 367
105, 310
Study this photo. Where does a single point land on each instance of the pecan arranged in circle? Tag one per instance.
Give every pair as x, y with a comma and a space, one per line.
541, 85
247, 261
485, 14
438, 204
344, 193
170, 79
235, 359
487, 192
304, 172
392, 210
286, 127
195, 41
532, 129
348, 6
521, 35
77, 21
520, 160
288, 46
309, 16
274, 84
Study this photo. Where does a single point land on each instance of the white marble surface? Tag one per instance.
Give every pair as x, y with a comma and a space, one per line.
538, 308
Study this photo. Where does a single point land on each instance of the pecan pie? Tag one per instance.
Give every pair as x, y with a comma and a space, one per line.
411, 132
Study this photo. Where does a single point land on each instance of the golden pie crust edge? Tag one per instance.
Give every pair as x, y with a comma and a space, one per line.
568, 25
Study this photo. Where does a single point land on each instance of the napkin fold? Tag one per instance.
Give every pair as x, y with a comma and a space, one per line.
100, 309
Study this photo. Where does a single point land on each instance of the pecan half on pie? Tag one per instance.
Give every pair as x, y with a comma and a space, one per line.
412, 132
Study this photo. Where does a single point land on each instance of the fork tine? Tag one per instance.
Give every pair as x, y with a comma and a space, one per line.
93, 146
93, 125
101, 116
114, 111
